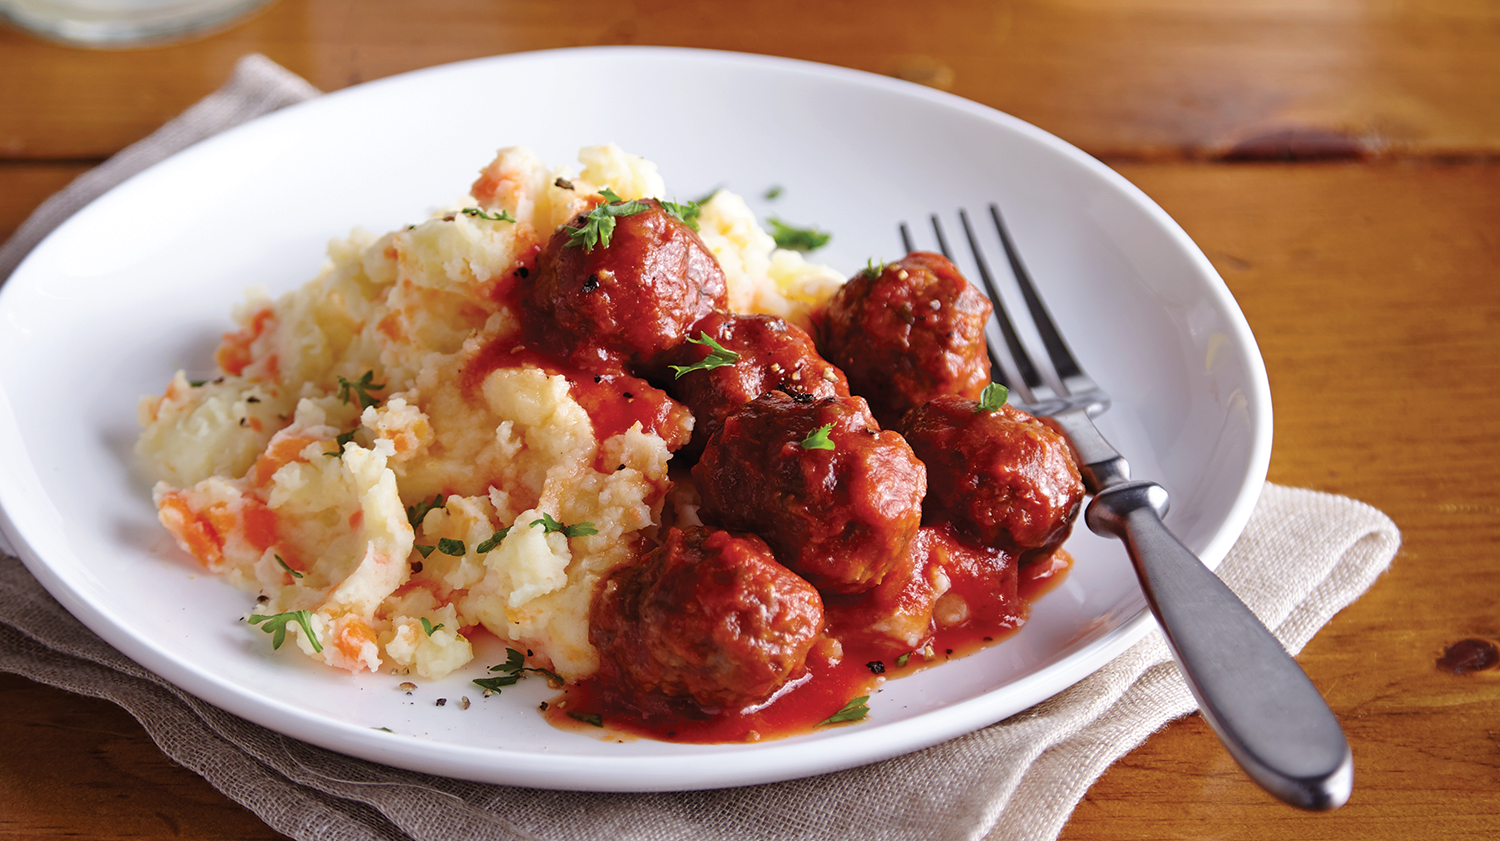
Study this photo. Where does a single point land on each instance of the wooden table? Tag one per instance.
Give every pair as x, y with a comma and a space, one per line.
1337, 160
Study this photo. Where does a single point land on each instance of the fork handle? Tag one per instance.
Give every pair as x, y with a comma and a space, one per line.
1264, 708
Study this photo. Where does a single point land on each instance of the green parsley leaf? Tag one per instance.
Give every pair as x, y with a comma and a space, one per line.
718, 356
855, 710
800, 239
386, 729
872, 269
902, 660
587, 718
708, 196
295, 574
501, 216
449, 546
513, 669
773, 193
550, 525
275, 625
493, 541
415, 514
339, 442
687, 214
818, 438
425, 550
361, 388
992, 398
197, 383
429, 627
599, 223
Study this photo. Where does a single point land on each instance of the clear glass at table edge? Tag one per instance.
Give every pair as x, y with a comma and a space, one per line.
123, 23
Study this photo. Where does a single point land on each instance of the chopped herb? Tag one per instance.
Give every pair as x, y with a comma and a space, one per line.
799, 239
902, 660
385, 729
493, 541
501, 216
687, 214
718, 356
872, 269
449, 546
992, 398
197, 383
361, 388
773, 193
339, 442
818, 439
550, 525
708, 196
599, 223
429, 627
295, 574
855, 710
425, 550
275, 625
415, 514
876, 667
587, 718
513, 669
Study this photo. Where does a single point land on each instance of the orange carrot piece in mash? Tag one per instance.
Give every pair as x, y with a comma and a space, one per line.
194, 533
282, 451
234, 351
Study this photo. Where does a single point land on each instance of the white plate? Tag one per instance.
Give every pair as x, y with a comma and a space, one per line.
141, 282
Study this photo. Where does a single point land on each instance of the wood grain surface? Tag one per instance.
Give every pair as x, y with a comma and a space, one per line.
1337, 160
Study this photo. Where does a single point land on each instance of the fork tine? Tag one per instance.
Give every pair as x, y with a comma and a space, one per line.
1033, 387
1074, 381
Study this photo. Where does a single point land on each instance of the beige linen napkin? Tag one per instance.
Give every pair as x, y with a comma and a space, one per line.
1303, 557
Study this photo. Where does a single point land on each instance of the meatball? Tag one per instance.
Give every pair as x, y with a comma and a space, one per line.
1003, 476
905, 335
630, 300
840, 516
708, 615
773, 355
946, 581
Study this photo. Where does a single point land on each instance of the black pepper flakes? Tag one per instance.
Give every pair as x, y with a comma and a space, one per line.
441, 702
876, 667
563, 183
591, 284
416, 567
252, 399
543, 706
598, 378
628, 396
523, 273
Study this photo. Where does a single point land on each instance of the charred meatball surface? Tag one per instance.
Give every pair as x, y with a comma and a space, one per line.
708, 615
774, 355
631, 300
841, 517
1003, 476
909, 333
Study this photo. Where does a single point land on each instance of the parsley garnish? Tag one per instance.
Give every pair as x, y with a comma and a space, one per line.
708, 196
687, 214
818, 439
415, 514
718, 356
872, 269
449, 546
800, 239
513, 669
493, 541
425, 550
550, 525
773, 193
275, 625
587, 718
295, 574
361, 388
992, 398
501, 216
855, 710
901, 661
197, 383
429, 627
339, 442
599, 223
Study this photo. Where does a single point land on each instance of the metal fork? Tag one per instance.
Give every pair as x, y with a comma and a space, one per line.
1264, 708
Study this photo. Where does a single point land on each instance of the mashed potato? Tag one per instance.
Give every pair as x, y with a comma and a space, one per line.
338, 467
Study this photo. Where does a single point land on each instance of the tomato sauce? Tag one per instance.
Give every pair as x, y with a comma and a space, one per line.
807, 701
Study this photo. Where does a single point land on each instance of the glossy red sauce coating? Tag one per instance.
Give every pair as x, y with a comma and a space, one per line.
807, 701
